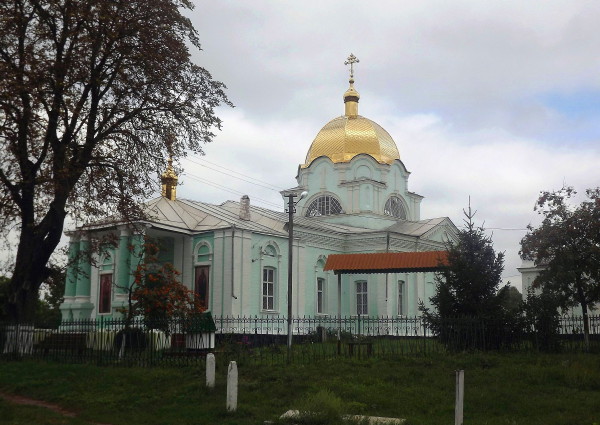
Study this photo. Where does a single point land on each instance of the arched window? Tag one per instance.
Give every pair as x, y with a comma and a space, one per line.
202, 263
324, 205
203, 252
395, 207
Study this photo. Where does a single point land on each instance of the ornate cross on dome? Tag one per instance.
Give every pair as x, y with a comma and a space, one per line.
351, 61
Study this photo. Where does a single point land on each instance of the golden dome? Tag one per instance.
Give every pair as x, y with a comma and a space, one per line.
347, 136
351, 134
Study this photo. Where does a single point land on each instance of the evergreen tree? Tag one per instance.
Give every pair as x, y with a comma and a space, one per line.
467, 299
468, 287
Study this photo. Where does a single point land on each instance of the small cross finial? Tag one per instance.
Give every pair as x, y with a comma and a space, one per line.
351, 61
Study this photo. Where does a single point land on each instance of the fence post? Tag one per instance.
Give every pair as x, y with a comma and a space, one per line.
210, 370
460, 397
232, 386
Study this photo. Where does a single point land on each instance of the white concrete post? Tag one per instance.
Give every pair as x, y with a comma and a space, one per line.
232, 387
210, 370
460, 397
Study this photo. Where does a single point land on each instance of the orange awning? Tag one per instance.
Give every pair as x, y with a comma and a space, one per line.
387, 262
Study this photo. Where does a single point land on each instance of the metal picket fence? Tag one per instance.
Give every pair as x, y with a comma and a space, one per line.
262, 339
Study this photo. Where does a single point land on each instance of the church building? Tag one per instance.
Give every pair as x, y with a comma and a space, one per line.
234, 256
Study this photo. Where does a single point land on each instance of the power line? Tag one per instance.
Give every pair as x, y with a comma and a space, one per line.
233, 191
239, 176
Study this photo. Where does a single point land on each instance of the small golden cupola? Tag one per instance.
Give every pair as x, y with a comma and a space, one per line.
351, 96
169, 177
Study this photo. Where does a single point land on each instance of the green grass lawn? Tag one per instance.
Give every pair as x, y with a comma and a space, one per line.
500, 389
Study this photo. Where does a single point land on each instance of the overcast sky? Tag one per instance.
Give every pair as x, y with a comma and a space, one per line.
496, 100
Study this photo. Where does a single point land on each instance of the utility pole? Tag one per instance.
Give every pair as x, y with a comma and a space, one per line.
291, 210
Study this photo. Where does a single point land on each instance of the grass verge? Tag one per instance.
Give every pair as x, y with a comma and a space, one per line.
500, 389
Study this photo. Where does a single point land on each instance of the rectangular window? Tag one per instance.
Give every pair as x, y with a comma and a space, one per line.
268, 289
361, 298
202, 285
401, 310
105, 294
320, 295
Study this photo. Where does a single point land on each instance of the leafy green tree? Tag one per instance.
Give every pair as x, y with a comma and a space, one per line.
541, 317
467, 291
566, 247
89, 92
512, 299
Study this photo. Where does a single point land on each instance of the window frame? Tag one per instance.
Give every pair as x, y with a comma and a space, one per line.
401, 298
101, 284
394, 204
106, 270
197, 293
265, 284
321, 296
361, 297
324, 205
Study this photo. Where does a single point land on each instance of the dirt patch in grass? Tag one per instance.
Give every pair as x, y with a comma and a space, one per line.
26, 401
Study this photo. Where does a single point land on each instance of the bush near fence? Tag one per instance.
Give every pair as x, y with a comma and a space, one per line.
263, 339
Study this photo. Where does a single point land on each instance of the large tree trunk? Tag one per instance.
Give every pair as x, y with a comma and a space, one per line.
36, 245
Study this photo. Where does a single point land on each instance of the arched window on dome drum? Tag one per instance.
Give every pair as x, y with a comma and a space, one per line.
395, 207
324, 205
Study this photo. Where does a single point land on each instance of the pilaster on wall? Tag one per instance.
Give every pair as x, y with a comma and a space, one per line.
123, 262
217, 298
71, 277
420, 289
178, 257
411, 294
81, 308
247, 290
187, 261
82, 288
72, 268
299, 279
235, 260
